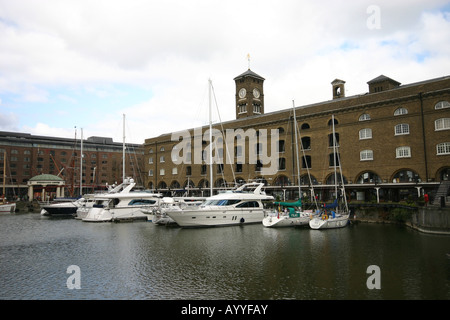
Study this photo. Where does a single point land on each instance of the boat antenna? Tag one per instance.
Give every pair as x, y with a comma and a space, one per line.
81, 163
123, 151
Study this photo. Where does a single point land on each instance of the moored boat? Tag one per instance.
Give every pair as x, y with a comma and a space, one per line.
336, 214
61, 207
291, 216
331, 217
125, 205
159, 215
234, 207
7, 207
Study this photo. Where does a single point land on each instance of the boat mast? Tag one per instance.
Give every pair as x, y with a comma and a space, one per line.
210, 143
4, 175
81, 164
123, 151
296, 151
334, 156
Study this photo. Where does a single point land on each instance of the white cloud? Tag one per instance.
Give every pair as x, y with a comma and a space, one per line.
69, 51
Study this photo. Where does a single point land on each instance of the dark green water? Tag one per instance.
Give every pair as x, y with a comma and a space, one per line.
142, 261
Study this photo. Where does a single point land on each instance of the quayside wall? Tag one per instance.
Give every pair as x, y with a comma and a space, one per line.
430, 219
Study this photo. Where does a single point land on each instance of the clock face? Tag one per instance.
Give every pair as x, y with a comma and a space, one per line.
256, 93
242, 93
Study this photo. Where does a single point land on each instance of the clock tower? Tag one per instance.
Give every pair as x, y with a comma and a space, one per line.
249, 94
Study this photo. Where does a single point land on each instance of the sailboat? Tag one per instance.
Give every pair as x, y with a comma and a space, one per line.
336, 214
6, 207
292, 215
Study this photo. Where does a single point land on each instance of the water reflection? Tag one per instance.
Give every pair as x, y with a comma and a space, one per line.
143, 261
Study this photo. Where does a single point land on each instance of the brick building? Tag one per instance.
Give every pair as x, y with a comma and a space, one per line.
28, 156
394, 143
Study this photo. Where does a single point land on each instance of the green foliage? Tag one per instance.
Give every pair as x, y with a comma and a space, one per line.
401, 214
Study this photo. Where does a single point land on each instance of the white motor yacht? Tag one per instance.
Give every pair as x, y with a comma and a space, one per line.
234, 207
160, 216
124, 205
89, 199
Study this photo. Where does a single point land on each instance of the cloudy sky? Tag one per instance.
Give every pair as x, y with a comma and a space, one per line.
66, 65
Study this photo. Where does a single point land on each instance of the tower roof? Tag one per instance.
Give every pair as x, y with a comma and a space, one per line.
382, 78
249, 73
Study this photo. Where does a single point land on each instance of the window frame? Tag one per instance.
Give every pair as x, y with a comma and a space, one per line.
402, 130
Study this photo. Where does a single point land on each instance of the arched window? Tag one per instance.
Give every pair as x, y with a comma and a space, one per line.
220, 183
175, 185
406, 176
368, 177
364, 117
400, 111
162, 185
330, 179
305, 126
442, 105
330, 122
281, 181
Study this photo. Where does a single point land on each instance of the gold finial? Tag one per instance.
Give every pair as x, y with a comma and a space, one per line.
248, 58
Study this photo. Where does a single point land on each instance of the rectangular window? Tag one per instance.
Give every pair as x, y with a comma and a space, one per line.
403, 152
366, 155
442, 124
150, 173
443, 148
365, 134
402, 128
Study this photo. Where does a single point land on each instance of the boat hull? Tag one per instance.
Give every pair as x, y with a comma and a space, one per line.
284, 221
331, 223
215, 218
116, 214
8, 208
58, 211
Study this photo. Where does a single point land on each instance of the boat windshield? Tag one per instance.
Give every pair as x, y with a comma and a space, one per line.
140, 202
223, 202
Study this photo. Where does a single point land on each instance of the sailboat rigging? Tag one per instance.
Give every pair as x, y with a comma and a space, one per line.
293, 215
333, 216
5, 206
